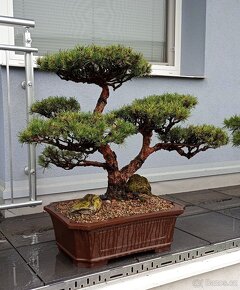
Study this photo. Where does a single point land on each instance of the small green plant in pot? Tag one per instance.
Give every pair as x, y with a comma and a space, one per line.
140, 220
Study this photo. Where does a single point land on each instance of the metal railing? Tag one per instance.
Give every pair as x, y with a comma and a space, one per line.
30, 170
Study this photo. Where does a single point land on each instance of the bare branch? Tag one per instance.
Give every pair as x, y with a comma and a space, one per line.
179, 148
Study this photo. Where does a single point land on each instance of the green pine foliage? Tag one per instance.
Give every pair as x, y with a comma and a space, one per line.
77, 131
52, 106
111, 65
195, 136
233, 124
158, 112
71, 135
61, 158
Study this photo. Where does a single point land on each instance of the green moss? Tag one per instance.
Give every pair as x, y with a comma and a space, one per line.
89, 204
138, 184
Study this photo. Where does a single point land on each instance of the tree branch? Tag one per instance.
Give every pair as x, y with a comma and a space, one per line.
92, 163
109, 156
102, 101
69, 163
178, 147
143, 154
70, 146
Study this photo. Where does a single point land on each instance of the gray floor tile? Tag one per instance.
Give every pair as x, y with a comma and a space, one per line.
33, 236
4, 244
208, 199
27, 231
213, 227
200, 196
233, 212
173, 197
190, 209
15, 274
231, 190
223, 203
53, 266
181, 242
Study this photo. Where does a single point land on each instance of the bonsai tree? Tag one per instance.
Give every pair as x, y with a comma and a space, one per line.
72, 136
233, 124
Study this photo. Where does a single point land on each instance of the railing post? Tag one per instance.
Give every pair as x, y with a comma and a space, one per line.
30, 170
9, 126
29, 85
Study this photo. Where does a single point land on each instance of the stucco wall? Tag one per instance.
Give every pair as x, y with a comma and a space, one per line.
2, 147
218, 95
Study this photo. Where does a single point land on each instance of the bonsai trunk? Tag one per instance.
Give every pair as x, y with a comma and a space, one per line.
116, 185
117, 179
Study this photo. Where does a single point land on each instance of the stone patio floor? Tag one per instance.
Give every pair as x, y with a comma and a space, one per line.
29, 257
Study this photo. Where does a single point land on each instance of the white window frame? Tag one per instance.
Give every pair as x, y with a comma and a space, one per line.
7, 37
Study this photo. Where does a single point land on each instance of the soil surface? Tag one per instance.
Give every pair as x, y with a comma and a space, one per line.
116, 208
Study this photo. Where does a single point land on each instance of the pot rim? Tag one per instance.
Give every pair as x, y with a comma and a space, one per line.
175, 211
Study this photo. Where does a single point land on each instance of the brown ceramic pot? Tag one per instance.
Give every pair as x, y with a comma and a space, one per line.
93, 244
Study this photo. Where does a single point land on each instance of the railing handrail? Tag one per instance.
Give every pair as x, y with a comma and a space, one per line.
17, 48
12, 21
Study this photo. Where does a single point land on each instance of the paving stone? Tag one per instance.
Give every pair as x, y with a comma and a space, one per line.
230, 190
233, 212
212, 227
15, 274
54, 266
200, 196
224, 203
190, 209
26, 231
183, 241
4, 244
33, 237
208, 199
174, 198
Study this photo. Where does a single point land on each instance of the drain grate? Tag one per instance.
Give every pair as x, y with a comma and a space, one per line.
139, 267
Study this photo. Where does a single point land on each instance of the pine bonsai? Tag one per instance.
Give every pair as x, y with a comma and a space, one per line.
72, 136
233, 124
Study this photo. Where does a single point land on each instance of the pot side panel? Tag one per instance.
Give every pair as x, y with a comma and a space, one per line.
132, 237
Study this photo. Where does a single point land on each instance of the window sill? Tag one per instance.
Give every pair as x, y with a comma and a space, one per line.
176, 75
155, 73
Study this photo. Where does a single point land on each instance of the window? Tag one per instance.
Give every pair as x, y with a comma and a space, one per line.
149, 26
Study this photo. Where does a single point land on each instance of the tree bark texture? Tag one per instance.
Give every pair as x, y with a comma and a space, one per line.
102, 101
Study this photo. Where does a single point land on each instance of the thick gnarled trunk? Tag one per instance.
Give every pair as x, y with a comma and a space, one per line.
116, 186
117, 179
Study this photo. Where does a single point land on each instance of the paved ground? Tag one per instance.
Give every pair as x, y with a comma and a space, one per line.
29, 257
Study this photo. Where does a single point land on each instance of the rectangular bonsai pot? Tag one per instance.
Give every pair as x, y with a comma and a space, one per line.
93, 244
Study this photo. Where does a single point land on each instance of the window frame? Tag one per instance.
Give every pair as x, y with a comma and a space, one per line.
158, 69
